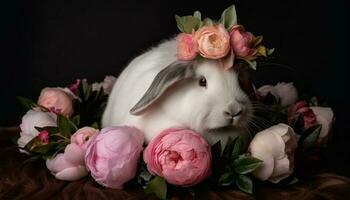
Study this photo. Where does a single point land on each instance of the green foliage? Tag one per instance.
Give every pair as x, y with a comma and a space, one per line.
66, 127
229, 17
26, 103
231, 166
90, 105
246, 164
310, 136
244, 183
188, 23
158, 187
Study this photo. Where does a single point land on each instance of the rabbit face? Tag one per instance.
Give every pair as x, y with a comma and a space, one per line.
197, 95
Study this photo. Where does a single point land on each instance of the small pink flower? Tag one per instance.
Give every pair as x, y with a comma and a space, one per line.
186, 47
181, 156
44, 137
242, 42
113, 154
56, 99
213, 41
74, 86
82, 136
301, 107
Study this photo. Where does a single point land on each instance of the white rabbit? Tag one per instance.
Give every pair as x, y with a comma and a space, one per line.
156, 92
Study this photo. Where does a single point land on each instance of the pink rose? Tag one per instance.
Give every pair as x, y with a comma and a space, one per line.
285, 92
301, 108
242, 42
213, 41
181, 156
275, 146
32, 119
186, 47
112, 155
56, 99
82, 136
325, 117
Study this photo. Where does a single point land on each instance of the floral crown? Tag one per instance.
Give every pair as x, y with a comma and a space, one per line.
224, 40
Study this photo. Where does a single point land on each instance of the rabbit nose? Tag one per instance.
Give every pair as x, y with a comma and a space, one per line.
233, 114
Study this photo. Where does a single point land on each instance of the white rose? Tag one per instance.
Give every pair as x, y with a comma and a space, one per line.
285, 92
31, 119
275, 147
324, 117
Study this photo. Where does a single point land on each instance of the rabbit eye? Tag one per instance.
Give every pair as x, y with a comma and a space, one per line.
202, 82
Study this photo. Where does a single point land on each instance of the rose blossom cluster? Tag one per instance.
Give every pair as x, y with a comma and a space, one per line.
215, 42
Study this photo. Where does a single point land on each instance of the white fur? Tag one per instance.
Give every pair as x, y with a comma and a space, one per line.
186, 105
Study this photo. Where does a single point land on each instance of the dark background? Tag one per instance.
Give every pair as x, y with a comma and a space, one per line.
51, 43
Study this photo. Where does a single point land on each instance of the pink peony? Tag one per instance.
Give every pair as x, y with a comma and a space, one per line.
275, 146
57, 99
213, 41
285, 92
181, 156
32, 119
186, 47
112, 155
301, 108
242, 42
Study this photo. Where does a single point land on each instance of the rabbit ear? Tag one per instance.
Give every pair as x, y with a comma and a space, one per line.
170, 75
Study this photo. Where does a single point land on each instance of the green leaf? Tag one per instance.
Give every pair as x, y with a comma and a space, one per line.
298, 124
246, 164
312, 137
36, 146
95, 125
66, 127
244, 183
258, 40
216, 150
197, 15
226, 179
270, 51
207, 22
179, 23
76, 120
238, 147
27, 103
293, 180
187, 23
252, 63
229, 17
158, 187
228, 147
